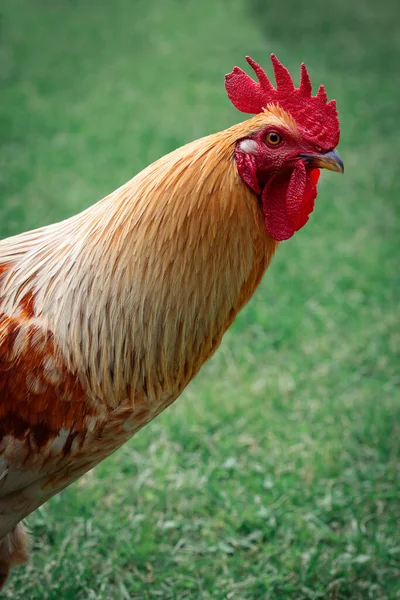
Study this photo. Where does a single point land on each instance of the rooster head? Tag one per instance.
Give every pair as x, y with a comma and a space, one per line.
281, 157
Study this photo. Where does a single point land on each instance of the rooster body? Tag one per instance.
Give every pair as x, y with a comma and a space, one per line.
107, 316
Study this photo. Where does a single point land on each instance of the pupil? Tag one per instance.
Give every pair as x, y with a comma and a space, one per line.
274, 137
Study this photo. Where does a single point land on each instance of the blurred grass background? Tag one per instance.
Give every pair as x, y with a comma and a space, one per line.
275, 476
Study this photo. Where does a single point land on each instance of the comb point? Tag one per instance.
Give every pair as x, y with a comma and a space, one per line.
305, 81
284, 82
261, 74
321, 94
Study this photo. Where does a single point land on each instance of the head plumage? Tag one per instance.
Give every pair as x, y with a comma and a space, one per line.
314, 115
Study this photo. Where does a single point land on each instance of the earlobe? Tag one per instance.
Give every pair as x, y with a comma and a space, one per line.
248, 146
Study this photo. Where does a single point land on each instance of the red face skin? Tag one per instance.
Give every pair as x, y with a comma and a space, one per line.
283, 179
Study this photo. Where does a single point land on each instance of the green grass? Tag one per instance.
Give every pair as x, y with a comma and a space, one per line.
274, 476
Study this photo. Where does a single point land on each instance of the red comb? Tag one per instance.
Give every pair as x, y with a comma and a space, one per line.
314, 115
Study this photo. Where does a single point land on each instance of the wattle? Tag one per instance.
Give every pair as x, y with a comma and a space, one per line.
288, 200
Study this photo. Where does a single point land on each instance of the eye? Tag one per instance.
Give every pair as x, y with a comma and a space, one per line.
273, 138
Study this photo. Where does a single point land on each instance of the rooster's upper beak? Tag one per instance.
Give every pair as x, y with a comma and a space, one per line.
328, 160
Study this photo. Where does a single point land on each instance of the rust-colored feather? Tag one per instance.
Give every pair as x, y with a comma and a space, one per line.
38, 394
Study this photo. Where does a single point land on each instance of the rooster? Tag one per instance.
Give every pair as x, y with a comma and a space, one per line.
107, 316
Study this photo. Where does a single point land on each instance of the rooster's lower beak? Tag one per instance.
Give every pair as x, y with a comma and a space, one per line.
329, 160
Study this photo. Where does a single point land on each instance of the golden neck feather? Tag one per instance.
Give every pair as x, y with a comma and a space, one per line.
139, 288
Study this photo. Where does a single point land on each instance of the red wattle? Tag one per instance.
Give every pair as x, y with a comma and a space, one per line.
288, 200
307, 205
295, 192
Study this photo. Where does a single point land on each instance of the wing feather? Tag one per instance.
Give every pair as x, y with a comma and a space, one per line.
47, 421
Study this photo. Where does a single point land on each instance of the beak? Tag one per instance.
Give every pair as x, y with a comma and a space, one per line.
329, 160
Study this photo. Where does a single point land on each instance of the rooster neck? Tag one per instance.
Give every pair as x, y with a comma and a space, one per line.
140, 288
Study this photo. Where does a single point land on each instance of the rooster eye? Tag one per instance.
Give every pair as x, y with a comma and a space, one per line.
273, 139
